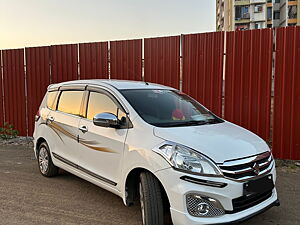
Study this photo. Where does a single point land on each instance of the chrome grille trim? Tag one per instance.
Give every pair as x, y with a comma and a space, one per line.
246, 160
237, 171
267, 162
242, 169
259, 175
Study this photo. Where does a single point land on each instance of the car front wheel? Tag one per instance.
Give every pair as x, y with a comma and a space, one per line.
151, 200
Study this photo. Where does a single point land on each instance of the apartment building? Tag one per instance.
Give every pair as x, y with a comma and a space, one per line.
224, 15
256, 14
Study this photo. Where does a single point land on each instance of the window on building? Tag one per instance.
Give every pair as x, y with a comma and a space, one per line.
238, 13
292, 12
242, 27
269, 26
258, 25
269, 13
276, 15
258, 8
242, 12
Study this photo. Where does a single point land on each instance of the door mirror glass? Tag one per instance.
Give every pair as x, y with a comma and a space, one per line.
106, 120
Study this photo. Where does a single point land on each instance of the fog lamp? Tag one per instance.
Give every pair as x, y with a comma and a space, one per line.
202, 206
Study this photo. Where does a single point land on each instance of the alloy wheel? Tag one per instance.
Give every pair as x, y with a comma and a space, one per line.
43, 160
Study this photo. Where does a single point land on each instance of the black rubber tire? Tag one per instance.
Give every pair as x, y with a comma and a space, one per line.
152, 199
52, 170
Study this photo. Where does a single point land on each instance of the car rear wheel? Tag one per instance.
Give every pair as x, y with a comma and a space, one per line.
46, 166
151, 200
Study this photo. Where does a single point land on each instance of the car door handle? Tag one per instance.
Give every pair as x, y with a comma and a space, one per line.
83, 129
50, 119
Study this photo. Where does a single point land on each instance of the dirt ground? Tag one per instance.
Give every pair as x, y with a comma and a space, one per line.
26, 197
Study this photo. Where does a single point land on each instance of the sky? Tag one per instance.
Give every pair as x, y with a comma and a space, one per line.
27, 23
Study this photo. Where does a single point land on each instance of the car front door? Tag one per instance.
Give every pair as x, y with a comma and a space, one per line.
64, 125
101, 148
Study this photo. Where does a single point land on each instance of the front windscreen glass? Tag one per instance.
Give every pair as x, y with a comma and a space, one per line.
167, 108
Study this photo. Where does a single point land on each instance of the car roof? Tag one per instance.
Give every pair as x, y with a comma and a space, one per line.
117, 84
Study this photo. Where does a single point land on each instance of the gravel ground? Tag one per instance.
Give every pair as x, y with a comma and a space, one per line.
26, 197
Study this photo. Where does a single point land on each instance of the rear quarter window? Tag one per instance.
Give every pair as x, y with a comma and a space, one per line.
51, 99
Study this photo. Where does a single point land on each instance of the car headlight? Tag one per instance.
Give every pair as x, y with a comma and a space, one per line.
186, 159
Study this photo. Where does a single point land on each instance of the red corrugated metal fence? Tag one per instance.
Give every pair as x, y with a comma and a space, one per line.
203, 56
162, 60
126, 59
93, 60
248, 79
64, 63
1, 93
14, 89
37, 80
286, 125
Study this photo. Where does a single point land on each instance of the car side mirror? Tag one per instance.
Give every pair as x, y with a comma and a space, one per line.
106, 120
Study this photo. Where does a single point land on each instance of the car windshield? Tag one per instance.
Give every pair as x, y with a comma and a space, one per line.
167, 108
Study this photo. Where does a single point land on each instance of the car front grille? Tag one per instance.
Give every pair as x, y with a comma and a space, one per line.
245, 202
248, 168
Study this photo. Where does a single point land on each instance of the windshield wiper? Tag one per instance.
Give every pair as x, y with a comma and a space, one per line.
213, 121
182, 124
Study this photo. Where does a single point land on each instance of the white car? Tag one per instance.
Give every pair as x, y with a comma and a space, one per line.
152, 144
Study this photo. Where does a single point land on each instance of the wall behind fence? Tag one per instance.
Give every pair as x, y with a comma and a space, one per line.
247, 73
203, 56
248, 77
286, 124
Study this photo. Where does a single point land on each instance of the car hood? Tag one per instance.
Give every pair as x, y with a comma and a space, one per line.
220, 142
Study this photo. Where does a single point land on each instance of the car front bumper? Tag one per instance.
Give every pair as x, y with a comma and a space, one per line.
177, 189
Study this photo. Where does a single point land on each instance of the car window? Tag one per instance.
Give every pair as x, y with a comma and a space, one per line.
51, 96
101, 103
70, 102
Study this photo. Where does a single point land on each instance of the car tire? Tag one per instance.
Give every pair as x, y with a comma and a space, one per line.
151, 200
46, 166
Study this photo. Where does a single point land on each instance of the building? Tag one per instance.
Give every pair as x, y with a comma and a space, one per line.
256, 14
224, 15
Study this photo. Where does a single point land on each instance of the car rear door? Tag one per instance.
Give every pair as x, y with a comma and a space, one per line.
64, 123
101, 148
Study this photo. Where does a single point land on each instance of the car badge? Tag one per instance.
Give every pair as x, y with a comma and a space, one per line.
256, 168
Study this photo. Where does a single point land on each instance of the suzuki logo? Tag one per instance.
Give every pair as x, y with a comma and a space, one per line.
255, 168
